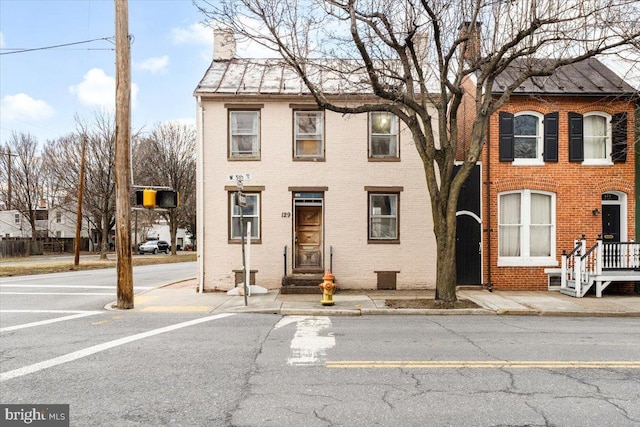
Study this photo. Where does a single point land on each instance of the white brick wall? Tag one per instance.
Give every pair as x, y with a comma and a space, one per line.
345, 171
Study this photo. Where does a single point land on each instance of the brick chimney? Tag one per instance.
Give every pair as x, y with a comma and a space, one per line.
473, 46
224, 45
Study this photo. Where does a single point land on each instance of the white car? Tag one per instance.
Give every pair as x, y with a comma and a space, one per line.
153, 247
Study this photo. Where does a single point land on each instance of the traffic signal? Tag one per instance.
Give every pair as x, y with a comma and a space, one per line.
149, 198
146, 198
167, 199
152, 199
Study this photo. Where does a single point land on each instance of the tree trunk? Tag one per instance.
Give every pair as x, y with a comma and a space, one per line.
104, 239
33, 231
173, 229
446, 258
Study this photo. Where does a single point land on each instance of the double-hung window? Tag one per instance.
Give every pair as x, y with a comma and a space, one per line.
383, 217
309, 134
241, 216
528, 137
383, 136
526, 228
244, 134
597, 138
16, 218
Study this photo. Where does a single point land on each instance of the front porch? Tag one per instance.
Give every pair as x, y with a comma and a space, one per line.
599, 266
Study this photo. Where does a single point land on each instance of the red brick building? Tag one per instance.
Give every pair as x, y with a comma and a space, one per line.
559, 163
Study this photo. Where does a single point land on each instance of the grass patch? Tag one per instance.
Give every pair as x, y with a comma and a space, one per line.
57, 266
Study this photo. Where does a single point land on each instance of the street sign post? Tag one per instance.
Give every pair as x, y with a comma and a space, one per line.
241, 200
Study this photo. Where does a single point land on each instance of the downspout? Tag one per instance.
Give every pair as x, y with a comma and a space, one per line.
200, 196
636, 144
489, 285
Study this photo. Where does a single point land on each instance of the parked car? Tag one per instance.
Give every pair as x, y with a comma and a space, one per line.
153, 247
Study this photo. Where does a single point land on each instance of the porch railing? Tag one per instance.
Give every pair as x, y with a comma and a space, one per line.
583, 266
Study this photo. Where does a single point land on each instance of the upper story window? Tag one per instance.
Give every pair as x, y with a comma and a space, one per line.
244, 134
528, 138
309, 134
16, 218
527, 129
59, 217
526, 228
597, 143
383, 136
597, 138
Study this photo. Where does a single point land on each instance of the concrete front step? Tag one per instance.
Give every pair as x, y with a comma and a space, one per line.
301, 284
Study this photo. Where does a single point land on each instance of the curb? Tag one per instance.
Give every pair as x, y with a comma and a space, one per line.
427, 312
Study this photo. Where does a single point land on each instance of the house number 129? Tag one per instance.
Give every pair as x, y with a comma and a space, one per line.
286, 214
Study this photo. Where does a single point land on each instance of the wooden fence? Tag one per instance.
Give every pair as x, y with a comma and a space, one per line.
18, 247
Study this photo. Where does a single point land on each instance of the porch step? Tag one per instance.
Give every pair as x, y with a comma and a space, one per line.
569, 291
301, 284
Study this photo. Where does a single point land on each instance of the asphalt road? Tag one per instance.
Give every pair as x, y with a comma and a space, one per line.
132, 368
85, 289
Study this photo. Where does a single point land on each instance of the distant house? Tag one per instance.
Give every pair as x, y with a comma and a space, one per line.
323, 190
14, 224
559, 163
162, 232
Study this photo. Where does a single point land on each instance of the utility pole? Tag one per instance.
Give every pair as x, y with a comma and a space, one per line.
76, 246
122, 161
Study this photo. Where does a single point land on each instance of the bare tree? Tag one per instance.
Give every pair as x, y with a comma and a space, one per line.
167, 158
27, 182
63, 162
416, 58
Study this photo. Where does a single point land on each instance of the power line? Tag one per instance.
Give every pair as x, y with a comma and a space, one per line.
109, 39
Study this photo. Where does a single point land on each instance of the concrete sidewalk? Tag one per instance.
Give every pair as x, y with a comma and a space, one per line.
183, 297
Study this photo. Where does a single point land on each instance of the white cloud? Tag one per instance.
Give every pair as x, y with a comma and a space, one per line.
99, 90
193, 34
154, 65
24, 107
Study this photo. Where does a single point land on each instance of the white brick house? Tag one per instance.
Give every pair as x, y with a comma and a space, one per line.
327, 190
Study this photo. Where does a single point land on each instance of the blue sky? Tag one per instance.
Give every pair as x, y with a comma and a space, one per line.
41, 91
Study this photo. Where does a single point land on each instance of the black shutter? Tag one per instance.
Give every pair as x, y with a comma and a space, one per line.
506, 137
550, 153
619, 134
576, 138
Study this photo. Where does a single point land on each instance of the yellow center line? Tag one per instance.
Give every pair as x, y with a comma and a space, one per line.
483, 364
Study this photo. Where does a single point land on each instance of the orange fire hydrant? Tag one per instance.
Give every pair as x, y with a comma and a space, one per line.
328, 288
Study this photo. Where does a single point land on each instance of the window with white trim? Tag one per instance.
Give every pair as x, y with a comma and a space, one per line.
597, 139
16, 218
383, 135
58, 217
526, 228
309, 134
527, 136
250, 214
244, 134
383, 216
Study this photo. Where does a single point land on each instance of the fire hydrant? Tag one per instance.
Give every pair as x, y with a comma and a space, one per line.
328, 288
